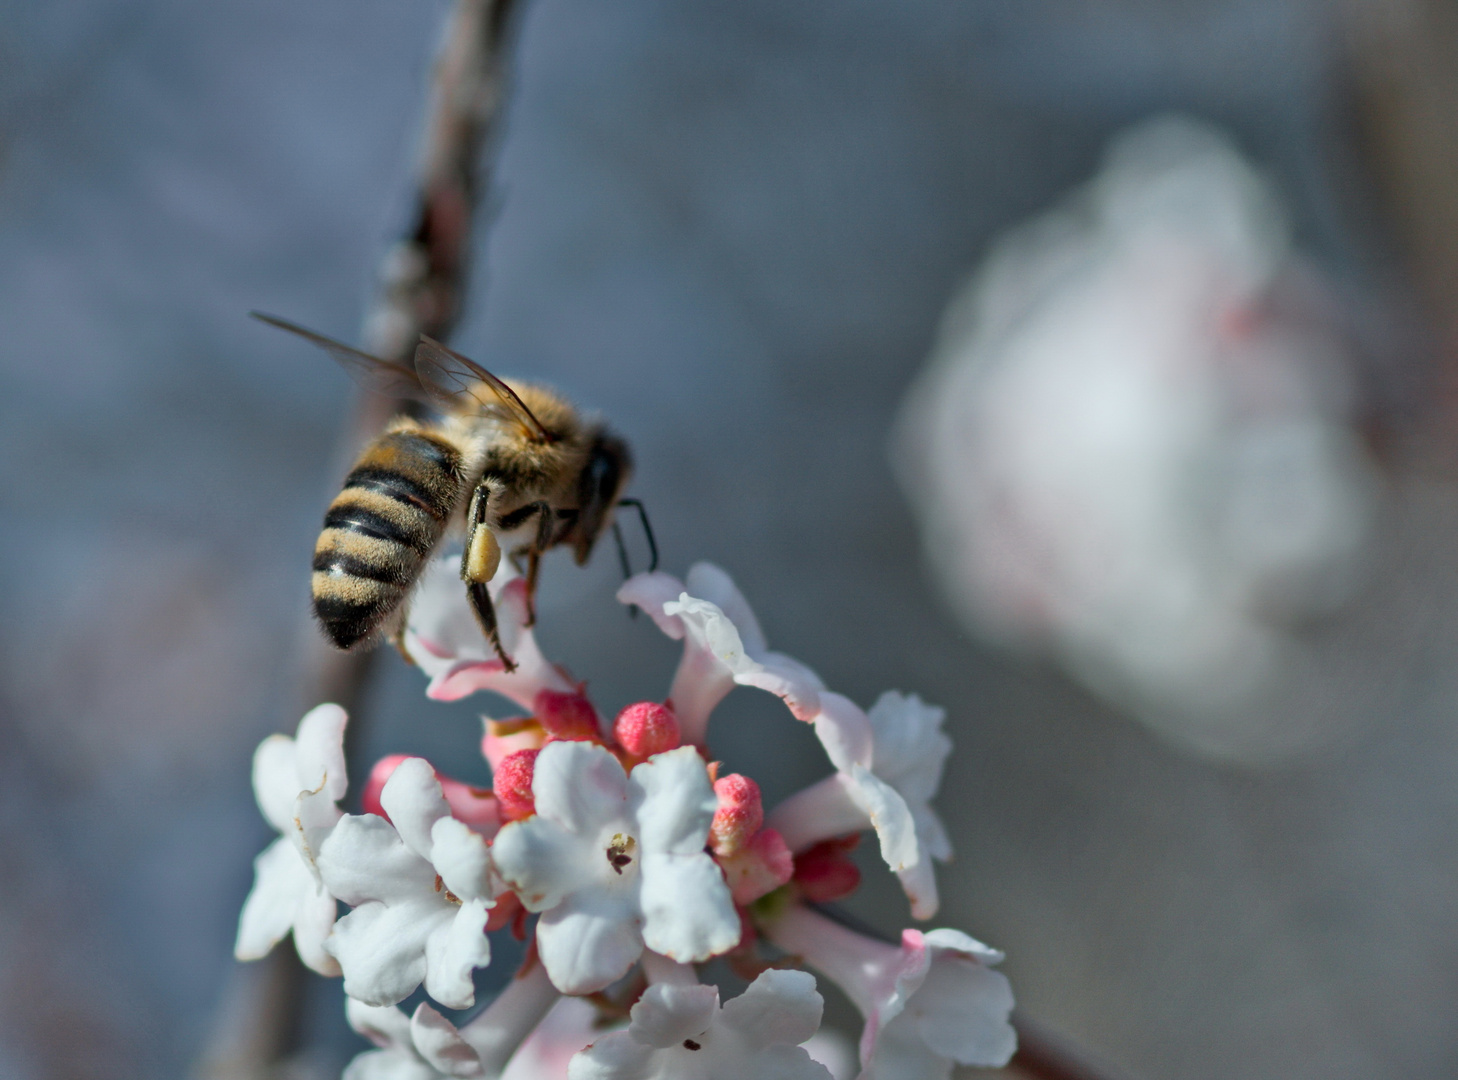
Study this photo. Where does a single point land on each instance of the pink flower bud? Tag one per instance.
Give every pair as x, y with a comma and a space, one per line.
758, 867
739, 816
826, 872
505, 737
514, 784
646, 728
566, 716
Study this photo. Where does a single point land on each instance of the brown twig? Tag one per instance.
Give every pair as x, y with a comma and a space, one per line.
422, 291
1045, 1055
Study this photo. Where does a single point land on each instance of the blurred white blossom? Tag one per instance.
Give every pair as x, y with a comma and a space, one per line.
1131, 445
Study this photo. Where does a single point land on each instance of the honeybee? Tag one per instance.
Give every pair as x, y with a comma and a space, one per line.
508, 462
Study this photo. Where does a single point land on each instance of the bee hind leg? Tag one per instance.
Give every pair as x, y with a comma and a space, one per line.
486, 615
479, 563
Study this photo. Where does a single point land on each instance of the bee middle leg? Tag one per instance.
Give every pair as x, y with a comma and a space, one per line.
479, 563
546, 529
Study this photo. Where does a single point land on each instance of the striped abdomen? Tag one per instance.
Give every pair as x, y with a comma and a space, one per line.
380, 529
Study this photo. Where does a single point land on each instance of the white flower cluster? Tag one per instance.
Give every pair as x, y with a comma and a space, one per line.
638, 857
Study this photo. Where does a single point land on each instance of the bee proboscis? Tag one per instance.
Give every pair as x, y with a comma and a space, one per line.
505, 461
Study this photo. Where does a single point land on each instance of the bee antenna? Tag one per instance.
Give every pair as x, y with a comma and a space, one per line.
647, 531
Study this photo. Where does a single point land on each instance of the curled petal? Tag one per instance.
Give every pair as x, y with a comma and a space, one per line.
722, 646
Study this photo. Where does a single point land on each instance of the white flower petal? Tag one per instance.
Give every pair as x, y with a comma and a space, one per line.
667, 1015
674, 801
462, 858
889, 814
778, 1007
438, 1042
919, 882
961, 1013
276, 781
319, 751
413, 799
279, 880
709, 582
387, 1065
389, 1029
312, 926
364, 859
579, 785
315, 815
688, 913
383, 1025
678, 1032
381, 949
453, 950
615, 1056
590, 943
542, 862
650, 592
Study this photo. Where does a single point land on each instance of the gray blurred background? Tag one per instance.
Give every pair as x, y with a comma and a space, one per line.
732, 228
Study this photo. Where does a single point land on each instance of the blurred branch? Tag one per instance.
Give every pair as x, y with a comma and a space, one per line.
1044, 1055
423, 277
1407, 90
422, 291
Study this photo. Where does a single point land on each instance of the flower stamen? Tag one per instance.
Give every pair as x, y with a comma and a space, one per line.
620, 852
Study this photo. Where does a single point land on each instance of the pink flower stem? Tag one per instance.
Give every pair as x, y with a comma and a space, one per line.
497, 1033
854, 962
660, 969
817, 813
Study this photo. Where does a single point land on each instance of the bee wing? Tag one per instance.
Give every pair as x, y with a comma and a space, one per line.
451, 379
371, 372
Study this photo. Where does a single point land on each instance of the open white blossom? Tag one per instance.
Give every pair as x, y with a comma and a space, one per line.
888, 766
681, 1032
614, 861
929, 1004
723, 646
426, 1045
298, 783
420, 889
445, 641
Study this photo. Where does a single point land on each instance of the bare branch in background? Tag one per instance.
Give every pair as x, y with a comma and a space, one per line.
422, 291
